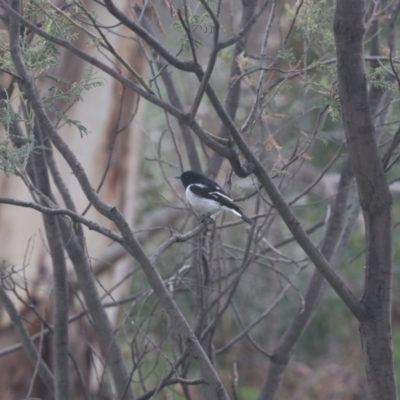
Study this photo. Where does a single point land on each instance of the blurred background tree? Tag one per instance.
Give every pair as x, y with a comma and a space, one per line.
111, 288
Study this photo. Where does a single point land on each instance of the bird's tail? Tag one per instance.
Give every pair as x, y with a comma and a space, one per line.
238, 211
246, 219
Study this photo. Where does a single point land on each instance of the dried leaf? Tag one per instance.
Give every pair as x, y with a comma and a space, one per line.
272, 144
306, 156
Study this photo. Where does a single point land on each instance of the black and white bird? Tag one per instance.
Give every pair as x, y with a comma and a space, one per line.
207, 197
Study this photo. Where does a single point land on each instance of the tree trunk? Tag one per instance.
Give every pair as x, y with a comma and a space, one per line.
374, 197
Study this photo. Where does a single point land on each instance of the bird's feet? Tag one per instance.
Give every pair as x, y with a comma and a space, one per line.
207, 219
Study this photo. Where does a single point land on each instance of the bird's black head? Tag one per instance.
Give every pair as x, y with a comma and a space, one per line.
189, 177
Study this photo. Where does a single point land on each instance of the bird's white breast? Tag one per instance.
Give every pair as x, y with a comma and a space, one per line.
202, 205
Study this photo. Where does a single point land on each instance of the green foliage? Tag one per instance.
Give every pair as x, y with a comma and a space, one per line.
248, 393
7, 114
286, 54
334, 107
14, 159
40, 56
5, 58
70, 93
314, 23
202, 22
378, 78
184, 43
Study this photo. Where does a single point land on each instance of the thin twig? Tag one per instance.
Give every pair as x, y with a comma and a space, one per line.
63, 211
26, 341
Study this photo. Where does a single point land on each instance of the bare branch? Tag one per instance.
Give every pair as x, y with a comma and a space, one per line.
148, 38
27, 343
60, 211
263, 64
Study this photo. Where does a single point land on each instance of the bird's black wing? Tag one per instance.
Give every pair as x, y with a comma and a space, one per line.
211, 184
216, 194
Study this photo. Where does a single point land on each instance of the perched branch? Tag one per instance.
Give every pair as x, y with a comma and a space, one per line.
178, 238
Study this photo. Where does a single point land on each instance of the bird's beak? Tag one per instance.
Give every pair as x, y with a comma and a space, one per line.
178, 177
